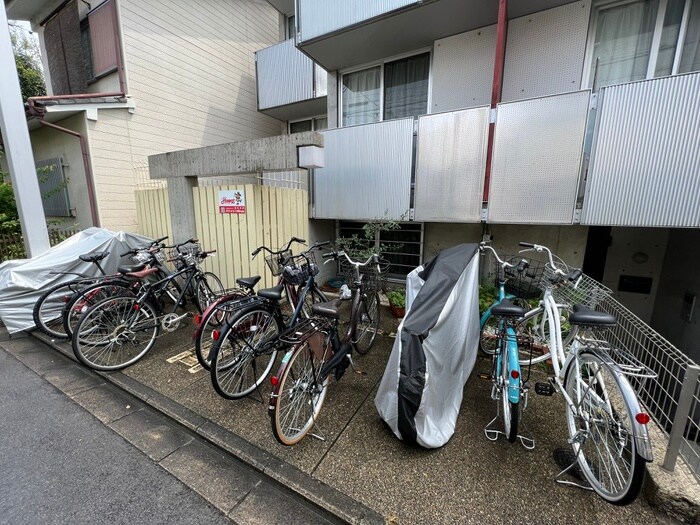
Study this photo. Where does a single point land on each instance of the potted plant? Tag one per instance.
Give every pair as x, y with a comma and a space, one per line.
397, 302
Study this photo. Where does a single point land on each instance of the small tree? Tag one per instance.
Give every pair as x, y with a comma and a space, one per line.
28, 62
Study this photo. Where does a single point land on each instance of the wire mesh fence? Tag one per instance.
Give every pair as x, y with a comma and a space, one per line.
12, 244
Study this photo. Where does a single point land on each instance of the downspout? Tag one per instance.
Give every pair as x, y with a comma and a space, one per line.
497, 87
89, 178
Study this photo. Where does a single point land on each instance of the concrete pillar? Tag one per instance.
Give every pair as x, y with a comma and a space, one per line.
332, 100
181, 205
18, 149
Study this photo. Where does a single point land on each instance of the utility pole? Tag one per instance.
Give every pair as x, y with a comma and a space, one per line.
18, 149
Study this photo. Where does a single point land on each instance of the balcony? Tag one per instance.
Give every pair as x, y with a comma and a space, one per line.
644, 167
339, 34
290, 85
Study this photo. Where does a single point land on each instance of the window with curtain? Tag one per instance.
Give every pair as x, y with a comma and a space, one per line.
395, 89
361, 97
690, 56
406, 87
623, 36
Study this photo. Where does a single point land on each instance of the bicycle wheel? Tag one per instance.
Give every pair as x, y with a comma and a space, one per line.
115, 333
208, 286
48, 309
299, 395
81, 301
511, 411
367, 322
213, 319
601, 426
244, 353
488, 337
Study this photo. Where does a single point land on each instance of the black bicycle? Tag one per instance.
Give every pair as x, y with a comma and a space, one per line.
245, 348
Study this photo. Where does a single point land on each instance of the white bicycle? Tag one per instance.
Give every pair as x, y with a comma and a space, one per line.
605, 422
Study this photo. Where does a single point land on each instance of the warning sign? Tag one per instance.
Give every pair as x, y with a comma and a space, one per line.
232, 201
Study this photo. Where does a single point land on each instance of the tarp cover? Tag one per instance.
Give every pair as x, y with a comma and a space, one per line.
435, 349
23, 281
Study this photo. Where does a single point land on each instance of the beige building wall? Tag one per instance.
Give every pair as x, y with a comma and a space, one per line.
191, 75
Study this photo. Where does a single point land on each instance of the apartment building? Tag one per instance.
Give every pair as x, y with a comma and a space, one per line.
574, 124
131, 78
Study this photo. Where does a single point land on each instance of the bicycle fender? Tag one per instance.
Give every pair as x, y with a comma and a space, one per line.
639, 431
513, 365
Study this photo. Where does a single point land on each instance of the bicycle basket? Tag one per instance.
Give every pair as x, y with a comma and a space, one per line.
141, 257
274, 264
298, 268
526, 285
371, 279
185, 254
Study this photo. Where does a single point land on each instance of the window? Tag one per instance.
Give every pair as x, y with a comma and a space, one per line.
391, 90
311, 124
638, 39
405, 245
104, 40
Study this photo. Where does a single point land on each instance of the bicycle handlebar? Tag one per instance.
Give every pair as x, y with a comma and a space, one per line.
374, 258
271, 252
573, 275
483, 246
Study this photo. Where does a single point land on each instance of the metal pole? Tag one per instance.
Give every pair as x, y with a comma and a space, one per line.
685, 403
18, 149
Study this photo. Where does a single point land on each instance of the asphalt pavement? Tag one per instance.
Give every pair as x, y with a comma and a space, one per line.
75, 449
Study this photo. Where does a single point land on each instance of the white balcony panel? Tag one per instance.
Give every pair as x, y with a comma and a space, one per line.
319, 17
367, 173
450, 165
320, 81
537, 159
645, 167
285, 75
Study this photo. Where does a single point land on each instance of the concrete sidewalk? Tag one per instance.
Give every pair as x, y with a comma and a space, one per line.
361, 473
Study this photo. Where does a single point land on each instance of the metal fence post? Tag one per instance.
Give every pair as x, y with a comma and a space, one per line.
684, 405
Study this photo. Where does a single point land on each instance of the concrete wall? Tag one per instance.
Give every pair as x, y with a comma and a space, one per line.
678, 277
568, 242
49, 143
636, 252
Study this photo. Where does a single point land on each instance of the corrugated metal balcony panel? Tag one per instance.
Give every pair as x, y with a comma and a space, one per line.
450, 165
284, 74
367, 173
645, 167
319, 17
537, 156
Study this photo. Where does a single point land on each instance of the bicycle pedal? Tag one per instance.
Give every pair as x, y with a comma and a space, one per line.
544, 389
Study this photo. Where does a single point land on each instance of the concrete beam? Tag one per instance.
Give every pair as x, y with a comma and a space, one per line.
252, 156
182, 168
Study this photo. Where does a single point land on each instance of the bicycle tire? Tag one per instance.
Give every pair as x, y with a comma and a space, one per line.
603, 416
511, 411
367, 323
48, 309
81, 301
107, 336
213, 318
237, 364
298, 396
208, 287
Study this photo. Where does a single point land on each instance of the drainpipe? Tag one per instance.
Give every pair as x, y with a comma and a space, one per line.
497, 86
37, 112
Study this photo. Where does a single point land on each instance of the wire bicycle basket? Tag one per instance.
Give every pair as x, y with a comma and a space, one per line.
298, 268
185, 254
526, 284
276, 261
371, 278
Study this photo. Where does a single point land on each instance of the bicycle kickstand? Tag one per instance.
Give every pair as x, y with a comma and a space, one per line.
566, 456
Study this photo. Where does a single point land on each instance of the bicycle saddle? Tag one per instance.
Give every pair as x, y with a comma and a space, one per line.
130, 269
248, 282
142, 273
93, 257
328, 309
507, 309
273, 294
589, 317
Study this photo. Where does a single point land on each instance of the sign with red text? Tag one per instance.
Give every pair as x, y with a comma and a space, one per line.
232, 201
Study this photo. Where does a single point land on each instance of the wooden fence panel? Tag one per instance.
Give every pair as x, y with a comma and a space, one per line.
272, 216
153, 213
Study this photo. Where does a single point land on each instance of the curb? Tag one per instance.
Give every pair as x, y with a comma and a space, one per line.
315, 492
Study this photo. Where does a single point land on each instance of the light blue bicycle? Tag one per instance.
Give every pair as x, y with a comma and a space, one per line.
501, 341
